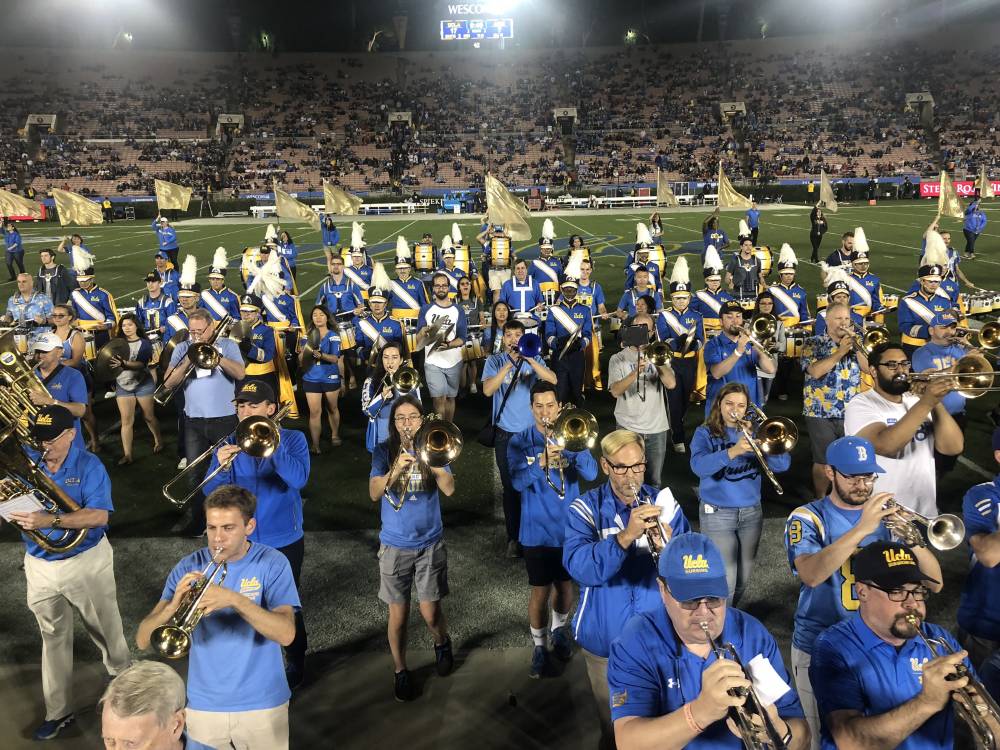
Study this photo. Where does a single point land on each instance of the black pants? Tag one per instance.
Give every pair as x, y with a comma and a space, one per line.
181, 422
172, 256
815, 240
783, 377
13, 258
942, 463
970, 242
679, 397
511, 497
753, 235
569, 374
200, 434
295, 652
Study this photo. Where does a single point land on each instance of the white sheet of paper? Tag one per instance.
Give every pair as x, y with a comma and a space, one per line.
26, 503
201, 372
766, 681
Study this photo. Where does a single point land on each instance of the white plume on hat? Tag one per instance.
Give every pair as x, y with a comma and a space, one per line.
680, 274
574, 265
83, 260
446, 243
402, 248
548, 230
357, 234
744, 228
935, 253
642, 235
832, 274
456, 233
860, 241
219, 260
380, 279
787, 255
271, 233
712, 260
189, 270
267, 281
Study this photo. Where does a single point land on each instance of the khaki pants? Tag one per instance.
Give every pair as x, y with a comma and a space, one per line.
86, 583
597, 671
800, 673
266, 729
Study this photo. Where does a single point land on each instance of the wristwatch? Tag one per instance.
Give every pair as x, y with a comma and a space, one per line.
56, 521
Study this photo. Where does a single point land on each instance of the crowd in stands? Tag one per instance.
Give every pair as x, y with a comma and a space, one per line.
310, 118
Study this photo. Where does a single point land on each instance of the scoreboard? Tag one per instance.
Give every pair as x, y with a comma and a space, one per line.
477, 28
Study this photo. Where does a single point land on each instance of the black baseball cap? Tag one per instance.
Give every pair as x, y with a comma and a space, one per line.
255, 392
153, 276
888, 565
731, 306
51, 421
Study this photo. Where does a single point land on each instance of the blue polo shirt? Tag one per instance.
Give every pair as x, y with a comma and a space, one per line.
232, 667
83, 477
209, 396
744, 371
979, 607
417, 524
854, 669
932, 356
516, 415
326, 372
68, 385
651, 673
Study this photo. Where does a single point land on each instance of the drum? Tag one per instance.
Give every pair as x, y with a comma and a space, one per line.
615, 323
980, 304
462, 259
821, 301
500, 252
473, 349
549, 296
410, 333
347, 338
763, 254
251, 259
996, 303
423, 257
659, 258
795, 342
89, 346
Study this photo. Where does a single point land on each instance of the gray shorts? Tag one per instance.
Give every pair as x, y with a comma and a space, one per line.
399, 568
443, 382
822, 432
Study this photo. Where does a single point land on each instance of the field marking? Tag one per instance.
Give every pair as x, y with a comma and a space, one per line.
974, 467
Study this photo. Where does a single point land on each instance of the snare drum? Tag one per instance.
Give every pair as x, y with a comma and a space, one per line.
473, 349
423, 257
89, 346
795, 343
980, 305
410, 333
891, 301
462, 259
500, 252
657, 256
347, 338
748, 305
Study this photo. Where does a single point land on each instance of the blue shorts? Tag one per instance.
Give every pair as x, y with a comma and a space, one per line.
325, 386
145, 388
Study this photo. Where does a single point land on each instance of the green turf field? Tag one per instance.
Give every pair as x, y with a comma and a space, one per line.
487, 604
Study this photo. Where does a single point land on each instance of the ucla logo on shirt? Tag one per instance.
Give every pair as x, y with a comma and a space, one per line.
250, 588
71, 480
619, 699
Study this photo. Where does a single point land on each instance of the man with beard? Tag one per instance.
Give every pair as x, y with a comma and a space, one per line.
878, 685
820, 538
443, 355
905, 428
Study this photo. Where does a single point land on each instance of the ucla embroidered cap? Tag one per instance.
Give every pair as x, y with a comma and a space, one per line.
692, 567
255, 392
46, 342
50, 422
852, 455
945, 318
888, 565
730, 307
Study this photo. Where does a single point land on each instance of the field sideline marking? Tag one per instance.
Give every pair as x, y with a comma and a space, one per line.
974, 467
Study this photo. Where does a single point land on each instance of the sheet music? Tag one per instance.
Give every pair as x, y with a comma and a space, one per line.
26, 503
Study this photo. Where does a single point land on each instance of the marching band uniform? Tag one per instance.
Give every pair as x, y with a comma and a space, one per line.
522, 297
837, 290
708, 301
371, 330
406, 294
95, 307
339, 295
546, 270
453, 272
170, 278
673, 326
258, 345
154, 311
358, 272
220, 302
591, 294
565, 318
917, 309
497, 256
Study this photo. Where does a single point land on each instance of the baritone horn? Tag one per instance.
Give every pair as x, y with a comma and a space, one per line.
436, 444
944, 532
173, 640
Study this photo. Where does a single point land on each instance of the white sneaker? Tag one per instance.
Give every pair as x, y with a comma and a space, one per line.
473, 389
182, 464
679, 448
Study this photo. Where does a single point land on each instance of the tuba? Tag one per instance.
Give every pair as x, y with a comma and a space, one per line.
173, 640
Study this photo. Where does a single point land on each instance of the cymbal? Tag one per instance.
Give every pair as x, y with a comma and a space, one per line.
313, 342
168, 350
105, 369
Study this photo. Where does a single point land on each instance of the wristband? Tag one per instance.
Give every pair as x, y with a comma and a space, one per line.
689, 718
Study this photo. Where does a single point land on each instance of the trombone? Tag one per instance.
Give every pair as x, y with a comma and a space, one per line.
257, 436
865, 340
751, 718
973, 703
973, 376
657, 354
173, 640
986, 338
403, 381
771, 436
944, 532
763, 328
200, 356
574, 430
436, 444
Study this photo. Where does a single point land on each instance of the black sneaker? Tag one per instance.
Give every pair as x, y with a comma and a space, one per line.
444, 657
50, 728
539, 662
562, 646
403, 690
514, 549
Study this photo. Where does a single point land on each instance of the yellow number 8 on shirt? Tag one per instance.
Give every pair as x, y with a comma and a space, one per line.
848, 597
795, 532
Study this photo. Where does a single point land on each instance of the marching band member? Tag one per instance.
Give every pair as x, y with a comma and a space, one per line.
281, 311
820, 538
568, 331
166, 237
765, 307
904, 427
753, 221
838, 291
276, 482
65, 386
463, 261
258, 345
744, 273
941, 352
497, 257
358, 243
508, 382
236, 686
75, 241
540, 468
591, 294
631, 379
842, 255
607, 551
378, 394
322, 383
953, 272
471, 305
218, 299
656, 227
643, 244
54, 279
575, 242
917, 308
377, 328
443, 351
82, 579
188, 298
407, 294
493, 333
412, 547
288, 251
978, 610
791, 307
669, 689
866, 288
154, 308
73, 351
264, 255
547, 269
338, 294
629, 303
878, 685
28, 307
359, 271
729, 489
708, 302
169, 275
94, 306
330, 235
681, 327
448, 267
832, 367
522, 295
733, 357
134, 384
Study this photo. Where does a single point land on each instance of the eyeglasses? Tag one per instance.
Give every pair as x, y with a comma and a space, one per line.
621, 469
402, 418
862, 478
902, 364
919, 594
712, 602
59, 315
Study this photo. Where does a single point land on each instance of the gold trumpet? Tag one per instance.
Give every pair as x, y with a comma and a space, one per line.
257, 436
973, 376
944, 532
767, 435
173, 640
657, 534
973, 703
751, 718
574, 430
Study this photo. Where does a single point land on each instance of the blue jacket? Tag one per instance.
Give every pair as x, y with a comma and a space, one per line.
13, 241
615, 583
331, 237
726, 482
167, 236
975, 218
289, 252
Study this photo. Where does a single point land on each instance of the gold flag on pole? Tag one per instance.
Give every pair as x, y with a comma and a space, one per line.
984, 185
728, 197
73, 208
826, 200
339, 201
12, 204
664, 195
948, 202
171, 196
289, 208
503, 208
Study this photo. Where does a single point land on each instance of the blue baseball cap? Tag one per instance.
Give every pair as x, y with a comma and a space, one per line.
946, 318
692, 567
852, 455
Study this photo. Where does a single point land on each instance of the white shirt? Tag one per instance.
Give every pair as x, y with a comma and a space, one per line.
443, 358
910, 474
631, 412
